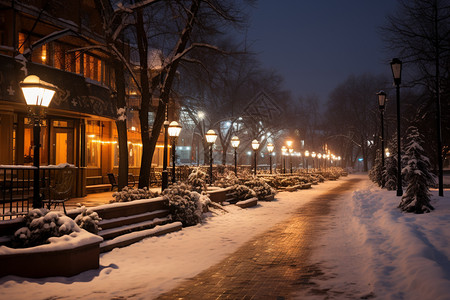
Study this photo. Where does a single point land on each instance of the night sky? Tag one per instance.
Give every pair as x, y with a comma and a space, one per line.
316, 45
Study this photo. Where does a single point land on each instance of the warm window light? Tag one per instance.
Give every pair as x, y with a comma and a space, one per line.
255, 145
133, 128
211, 136
36, 91
235, 142
270, 147
44, 53
387, 152
174, 129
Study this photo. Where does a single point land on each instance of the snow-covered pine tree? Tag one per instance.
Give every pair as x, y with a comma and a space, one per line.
390, 168
376, 173
417, 174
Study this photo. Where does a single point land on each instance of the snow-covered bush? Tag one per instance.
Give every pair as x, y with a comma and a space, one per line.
227, 179
130, 194
40, 225
184, 205
376, 172
417, 174
260, 187
88, 220
241, 192
197, 180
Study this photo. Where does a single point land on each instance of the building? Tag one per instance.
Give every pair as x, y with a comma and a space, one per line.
48, 39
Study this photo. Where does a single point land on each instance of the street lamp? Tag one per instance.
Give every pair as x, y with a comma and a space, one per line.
174, 132
313, 155
396, 67
283, 152
319, 156
291, 150
381, 105
270, 148
235, 143
211, 137
306, 155
38, 94
255, 146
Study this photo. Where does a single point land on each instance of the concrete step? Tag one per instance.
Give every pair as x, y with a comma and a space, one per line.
122, 221
111, 233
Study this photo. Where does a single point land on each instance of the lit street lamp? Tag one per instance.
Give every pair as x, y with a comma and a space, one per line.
291, 150
235, 143
211, 137
396, 67
306, 156
381, 105
283, 153
255, 146
270, 148
38, 94
313, 155
319, 156
174, 132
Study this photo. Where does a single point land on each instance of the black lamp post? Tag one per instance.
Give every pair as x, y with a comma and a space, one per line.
283, 153
381, 105
211, 137
306, 158
165, 174
313, 155
396, 67
270, 148
38, 94
291, 152
255, 146
174, 132
235, 143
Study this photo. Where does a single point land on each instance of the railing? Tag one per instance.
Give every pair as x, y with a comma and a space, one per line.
16, 188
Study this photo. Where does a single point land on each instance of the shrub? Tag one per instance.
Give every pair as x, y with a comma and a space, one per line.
197, 180
260, 187
184, 205
40, 225
241, 192
130, 194
228, 179
88, 220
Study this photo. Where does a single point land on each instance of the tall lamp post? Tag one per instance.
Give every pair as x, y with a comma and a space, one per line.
235, 143
211, 137
174, 132
396, 67
270, 148
291, 151
319, 156
38, 94
306, 157
255, 147
313, 155
283, 153
381, 105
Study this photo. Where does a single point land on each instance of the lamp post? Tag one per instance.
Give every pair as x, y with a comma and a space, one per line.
38, 94
283, 153
174, 132
313, 155
396, 67
235, 143
255, 146
306, 157
291, 150
270, 148
211, 137
381, 105
319, 156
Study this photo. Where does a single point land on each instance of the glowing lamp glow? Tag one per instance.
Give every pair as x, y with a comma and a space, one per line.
270, 147
36, 91
235, 142
211, 136
174, 129
255, 145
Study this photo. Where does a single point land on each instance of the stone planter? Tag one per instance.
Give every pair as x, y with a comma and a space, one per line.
217, 196
67, 256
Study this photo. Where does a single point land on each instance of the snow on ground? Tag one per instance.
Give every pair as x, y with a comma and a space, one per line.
155, 265
372, 250
375, 251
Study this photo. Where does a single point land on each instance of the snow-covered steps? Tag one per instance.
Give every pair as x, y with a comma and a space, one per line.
116, 231
122, 221
133, 237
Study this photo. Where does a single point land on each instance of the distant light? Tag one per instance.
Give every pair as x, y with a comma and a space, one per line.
360, 159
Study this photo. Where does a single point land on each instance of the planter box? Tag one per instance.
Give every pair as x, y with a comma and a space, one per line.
67, 257
218, 196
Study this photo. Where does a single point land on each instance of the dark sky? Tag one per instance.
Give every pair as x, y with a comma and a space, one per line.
316, 44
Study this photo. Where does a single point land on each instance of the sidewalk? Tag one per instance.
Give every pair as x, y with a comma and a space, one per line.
271, 266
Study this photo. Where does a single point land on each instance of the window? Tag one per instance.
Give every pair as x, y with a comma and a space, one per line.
93, 144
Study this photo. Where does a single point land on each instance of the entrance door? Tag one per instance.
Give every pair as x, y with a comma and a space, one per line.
63, 144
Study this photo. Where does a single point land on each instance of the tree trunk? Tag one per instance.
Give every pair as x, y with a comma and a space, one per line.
121, 124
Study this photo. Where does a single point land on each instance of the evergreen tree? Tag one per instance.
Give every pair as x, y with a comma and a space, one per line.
376, 173
390, 169
417, 173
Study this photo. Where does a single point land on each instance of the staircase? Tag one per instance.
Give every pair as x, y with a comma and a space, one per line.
126, 223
